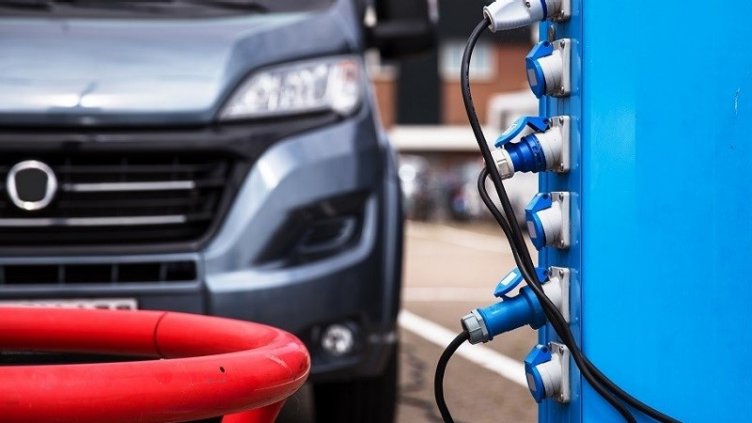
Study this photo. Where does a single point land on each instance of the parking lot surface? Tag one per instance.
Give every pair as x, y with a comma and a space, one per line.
449, 270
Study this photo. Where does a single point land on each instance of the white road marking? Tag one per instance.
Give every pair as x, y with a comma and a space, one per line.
447, 294
459, 237
485, 357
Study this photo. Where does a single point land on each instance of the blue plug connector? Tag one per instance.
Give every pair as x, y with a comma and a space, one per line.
533, 144
511, 313
527, 155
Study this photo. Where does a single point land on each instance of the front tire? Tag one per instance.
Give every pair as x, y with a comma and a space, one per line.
365, 400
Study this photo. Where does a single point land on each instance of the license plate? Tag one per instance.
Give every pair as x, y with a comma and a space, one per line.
91, 304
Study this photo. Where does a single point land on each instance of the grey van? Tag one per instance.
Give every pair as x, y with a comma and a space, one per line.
217, 157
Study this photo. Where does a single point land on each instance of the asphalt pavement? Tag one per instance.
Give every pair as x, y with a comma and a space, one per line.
449, 270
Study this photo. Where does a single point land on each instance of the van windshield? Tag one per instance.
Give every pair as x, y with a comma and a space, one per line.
157, 8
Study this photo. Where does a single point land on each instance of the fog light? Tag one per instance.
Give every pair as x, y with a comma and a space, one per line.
338, 339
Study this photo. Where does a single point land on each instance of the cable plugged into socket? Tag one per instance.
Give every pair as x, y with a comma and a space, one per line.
534, 144
513, 312
510, 14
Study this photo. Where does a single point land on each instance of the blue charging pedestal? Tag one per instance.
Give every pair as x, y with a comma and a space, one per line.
661, 109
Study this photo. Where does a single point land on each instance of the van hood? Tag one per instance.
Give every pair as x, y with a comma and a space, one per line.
125, 72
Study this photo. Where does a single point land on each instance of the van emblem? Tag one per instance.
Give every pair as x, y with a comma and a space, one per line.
31, 185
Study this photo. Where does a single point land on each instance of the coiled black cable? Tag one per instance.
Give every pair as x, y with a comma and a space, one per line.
605, 387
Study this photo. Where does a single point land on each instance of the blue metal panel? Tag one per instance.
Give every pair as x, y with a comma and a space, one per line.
550, 411
664, 228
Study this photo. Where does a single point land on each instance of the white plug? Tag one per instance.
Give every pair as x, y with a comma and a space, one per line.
510, 14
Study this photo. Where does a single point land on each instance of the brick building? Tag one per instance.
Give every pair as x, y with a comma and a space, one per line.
426, 90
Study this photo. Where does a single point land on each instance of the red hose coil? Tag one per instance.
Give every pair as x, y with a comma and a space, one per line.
212, 367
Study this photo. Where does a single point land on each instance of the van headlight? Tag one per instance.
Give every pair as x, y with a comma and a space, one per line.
304, 87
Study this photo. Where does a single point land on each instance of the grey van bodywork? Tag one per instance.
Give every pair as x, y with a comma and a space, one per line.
90, 86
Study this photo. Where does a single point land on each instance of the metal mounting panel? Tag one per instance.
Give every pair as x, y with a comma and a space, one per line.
561, 352
565, 13
563, 198
562, 275
563, 123
564, 47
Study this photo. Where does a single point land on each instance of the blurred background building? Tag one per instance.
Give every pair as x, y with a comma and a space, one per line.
426, 91
421, 107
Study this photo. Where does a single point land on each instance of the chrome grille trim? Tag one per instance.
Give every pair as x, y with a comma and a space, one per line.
130, 186
95, 221
118, 199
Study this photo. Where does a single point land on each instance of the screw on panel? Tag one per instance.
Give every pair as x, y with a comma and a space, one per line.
561, 273
561, 120
527, 4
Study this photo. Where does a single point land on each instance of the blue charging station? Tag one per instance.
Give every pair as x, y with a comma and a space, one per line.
660, 205
642, 221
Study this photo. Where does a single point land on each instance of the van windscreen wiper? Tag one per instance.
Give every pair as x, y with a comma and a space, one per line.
244, 5
180, 7
26, 4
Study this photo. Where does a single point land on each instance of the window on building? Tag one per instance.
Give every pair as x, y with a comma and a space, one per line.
450, 60
377, 68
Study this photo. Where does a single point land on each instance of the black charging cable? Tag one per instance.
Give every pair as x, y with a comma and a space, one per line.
438, 379
604, 386
608, 396
525, 263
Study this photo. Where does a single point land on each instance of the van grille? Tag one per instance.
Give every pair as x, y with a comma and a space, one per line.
119, 199
117, 273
